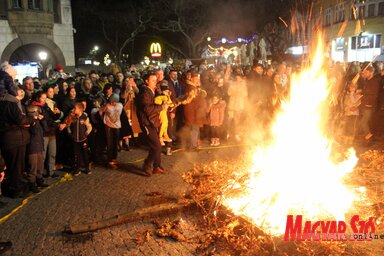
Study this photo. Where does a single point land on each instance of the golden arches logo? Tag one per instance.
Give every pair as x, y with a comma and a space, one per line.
155, 50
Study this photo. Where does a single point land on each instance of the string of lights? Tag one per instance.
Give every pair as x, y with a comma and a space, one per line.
222, 51
238, 40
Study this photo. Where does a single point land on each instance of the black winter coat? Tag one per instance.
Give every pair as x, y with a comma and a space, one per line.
50, 119
13, 132
147, 111
36, 144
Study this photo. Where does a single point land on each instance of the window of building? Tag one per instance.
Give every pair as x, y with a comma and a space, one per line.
361, 12
378, 41
34, 4
50, 6
56, 11
381, 9
17, 4
327, 17
339, 13
371, 10
365, 42
3, 9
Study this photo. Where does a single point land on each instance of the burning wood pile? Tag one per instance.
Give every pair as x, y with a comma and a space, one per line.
297, 194
231, 234
297, 184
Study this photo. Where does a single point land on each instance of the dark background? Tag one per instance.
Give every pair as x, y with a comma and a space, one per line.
217, 18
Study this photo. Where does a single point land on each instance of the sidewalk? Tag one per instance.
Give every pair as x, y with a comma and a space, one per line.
36, 228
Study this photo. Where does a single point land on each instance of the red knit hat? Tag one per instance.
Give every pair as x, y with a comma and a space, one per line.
59, 67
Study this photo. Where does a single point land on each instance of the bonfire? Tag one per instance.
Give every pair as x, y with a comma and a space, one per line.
296, 173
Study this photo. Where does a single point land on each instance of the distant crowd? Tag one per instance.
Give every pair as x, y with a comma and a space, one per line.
71, 121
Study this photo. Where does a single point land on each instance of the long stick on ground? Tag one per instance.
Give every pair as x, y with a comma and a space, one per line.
137, 215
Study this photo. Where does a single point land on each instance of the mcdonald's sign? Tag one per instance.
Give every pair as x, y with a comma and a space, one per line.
155, 50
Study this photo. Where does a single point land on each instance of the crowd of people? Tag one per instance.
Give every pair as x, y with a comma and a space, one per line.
72, 121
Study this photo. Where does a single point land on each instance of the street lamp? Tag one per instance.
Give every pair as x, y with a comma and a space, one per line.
43, 55
96, 48
146, 60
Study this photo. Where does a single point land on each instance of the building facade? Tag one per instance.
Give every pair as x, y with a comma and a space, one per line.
353, 29
29, 27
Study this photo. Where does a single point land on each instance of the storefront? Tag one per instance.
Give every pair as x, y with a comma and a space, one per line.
339, 47
364, 47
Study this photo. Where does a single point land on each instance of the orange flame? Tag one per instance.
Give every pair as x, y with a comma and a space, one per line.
294, 174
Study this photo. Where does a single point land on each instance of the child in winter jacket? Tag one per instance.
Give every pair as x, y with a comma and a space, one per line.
216, 110
79, 127
35, 149
159, 100
112, 122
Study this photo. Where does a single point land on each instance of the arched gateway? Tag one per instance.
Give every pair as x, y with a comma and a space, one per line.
55, 55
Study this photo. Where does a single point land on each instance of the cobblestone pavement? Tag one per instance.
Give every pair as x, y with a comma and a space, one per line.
36, 228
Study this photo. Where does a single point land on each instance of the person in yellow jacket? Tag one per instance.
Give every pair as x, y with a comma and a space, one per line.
165, 96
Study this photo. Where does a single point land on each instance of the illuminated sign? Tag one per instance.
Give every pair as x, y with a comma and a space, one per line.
366, 41
155, 50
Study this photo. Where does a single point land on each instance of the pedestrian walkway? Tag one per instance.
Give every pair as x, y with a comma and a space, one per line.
36, 227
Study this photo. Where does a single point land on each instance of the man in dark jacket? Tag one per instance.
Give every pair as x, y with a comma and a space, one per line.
148, 113
174, 116
14, 137
369, 101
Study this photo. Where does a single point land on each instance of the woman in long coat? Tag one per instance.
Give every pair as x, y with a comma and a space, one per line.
128, 95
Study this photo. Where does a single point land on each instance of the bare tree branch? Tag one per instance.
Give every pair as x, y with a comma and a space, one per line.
104, 31
135, 32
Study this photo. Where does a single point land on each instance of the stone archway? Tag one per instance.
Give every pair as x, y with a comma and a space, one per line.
58, 56
30, 53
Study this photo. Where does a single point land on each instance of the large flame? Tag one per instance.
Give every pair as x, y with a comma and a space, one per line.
294, 174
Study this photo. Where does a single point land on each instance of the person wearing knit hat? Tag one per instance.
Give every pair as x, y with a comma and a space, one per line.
59, 73
114, 98
59, 68
112, 111
5, 66
8, 76
160, 100
164, 85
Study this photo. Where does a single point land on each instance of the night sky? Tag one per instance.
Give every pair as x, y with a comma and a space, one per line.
228, 18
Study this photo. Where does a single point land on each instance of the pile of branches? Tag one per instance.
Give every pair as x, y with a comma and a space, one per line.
228, 234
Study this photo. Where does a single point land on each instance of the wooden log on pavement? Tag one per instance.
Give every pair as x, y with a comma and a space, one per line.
137, 215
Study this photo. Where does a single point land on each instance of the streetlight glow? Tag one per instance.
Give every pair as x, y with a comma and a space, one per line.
96, 48
146, 60
43, 55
